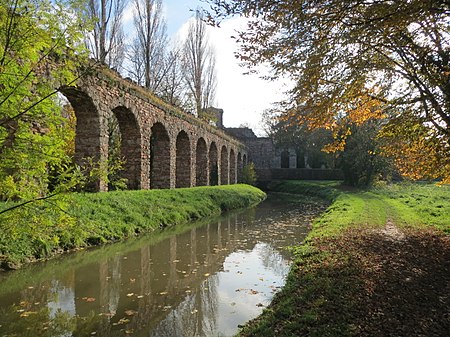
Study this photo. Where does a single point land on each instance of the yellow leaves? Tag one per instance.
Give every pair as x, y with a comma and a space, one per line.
88, 299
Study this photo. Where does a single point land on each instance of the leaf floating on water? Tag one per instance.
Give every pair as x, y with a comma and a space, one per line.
260, 305
129, 331
132, 280
175, 261
130, 294
27, 313
163, 293
130, 312
206, 275
88, 299
253, 292
140, 296
194, 311
123, 321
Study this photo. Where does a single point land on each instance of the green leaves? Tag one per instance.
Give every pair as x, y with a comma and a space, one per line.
38, 41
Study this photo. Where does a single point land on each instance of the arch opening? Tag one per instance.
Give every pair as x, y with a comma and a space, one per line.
124, 144
224, 166
90, 143
213, 166
232, 167
183, 161
285, 159
159, 157
239, 167
201, 163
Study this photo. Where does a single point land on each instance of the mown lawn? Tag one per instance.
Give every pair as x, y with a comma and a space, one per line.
376, 263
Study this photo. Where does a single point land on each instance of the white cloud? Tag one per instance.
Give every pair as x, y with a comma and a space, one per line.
242, 97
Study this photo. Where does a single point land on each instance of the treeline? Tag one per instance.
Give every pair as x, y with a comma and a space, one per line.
180, 72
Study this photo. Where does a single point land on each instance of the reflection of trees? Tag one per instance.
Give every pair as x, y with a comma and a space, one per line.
175, 267
272, 259
196, 315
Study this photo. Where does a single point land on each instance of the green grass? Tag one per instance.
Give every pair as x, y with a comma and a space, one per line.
326, 289
44, 228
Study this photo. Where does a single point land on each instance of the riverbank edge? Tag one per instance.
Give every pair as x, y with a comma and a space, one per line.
344, 275
65, 223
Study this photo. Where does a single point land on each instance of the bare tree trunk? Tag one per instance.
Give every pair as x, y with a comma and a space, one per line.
149, 48
106, 41
199, 67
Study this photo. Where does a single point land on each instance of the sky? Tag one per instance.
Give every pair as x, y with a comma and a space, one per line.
242, 97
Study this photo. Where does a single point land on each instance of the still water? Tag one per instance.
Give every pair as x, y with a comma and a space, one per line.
203, 280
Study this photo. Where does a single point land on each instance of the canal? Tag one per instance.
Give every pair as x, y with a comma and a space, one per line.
200, 280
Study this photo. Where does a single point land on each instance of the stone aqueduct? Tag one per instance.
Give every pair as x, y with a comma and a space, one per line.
163, 147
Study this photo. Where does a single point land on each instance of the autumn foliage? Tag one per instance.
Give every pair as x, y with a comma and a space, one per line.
356, 61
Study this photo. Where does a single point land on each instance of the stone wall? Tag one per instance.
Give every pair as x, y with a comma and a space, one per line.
160, 143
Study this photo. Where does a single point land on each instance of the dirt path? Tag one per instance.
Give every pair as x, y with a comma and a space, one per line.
407, 278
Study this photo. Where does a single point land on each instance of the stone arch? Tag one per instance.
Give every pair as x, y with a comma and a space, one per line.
213, 167
232, 167
183, 161
159, 157
224, 166
90, 142
239, 167
130, 149
285, 159
201, 163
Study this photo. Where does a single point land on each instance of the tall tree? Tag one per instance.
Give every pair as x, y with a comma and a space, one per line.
148, 51
361, 59
172, 86
199, 66
106, 41
34, 134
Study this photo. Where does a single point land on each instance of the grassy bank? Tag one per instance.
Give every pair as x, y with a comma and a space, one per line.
376, 263
42, 229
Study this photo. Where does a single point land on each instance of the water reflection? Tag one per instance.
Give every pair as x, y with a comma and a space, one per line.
203, 282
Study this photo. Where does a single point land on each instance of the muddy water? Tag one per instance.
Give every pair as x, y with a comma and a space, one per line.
204, 281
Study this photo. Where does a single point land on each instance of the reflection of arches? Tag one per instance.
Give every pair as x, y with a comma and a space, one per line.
224, 166
239, 167
159, 157
130, 148
183, 161
213, 169
285, 159
90, 142
201, 167
232, 167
